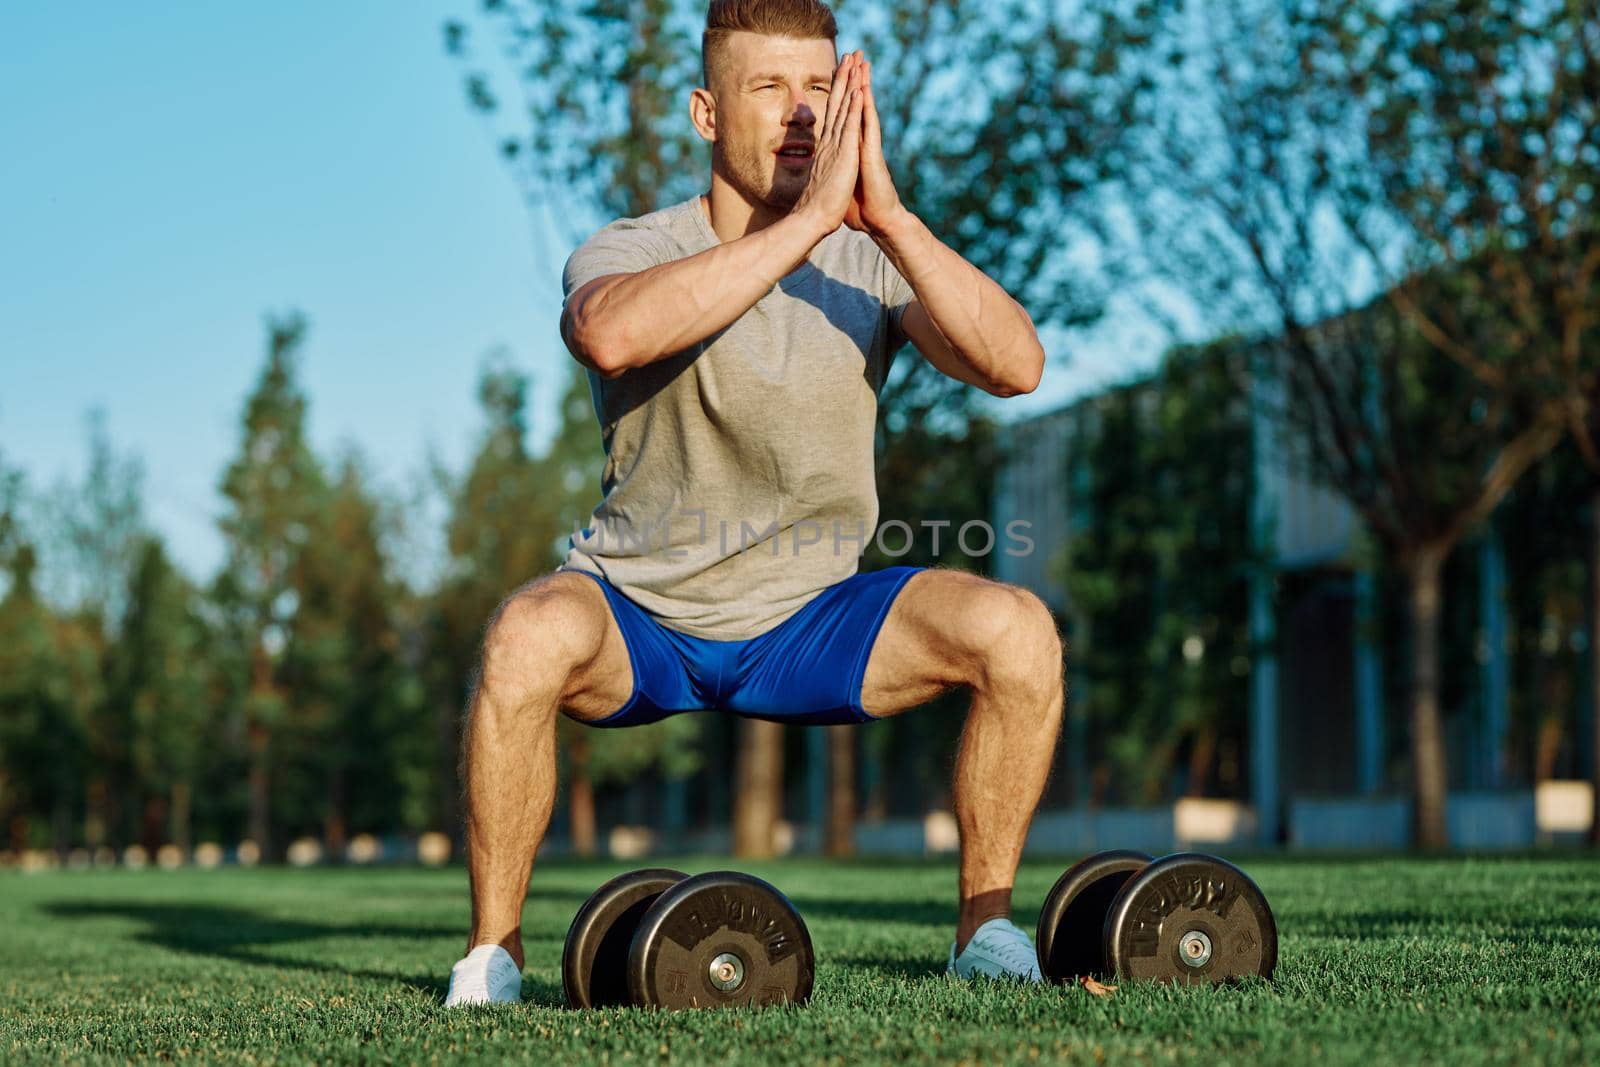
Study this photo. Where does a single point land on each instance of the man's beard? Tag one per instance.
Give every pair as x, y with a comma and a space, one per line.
758, 177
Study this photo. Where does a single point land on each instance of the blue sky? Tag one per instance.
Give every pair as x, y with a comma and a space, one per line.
172, 173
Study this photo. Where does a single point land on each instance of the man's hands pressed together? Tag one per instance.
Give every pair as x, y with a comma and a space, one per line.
830, 192
850, 183
876, 206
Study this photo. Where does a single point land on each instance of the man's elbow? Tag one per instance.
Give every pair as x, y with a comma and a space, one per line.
597, 350
1023, 377
608, 363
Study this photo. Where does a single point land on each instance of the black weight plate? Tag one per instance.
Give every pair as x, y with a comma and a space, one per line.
594, 961
1191, 919
720, 939
1071, 934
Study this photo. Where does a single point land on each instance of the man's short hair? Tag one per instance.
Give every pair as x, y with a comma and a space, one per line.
801, 19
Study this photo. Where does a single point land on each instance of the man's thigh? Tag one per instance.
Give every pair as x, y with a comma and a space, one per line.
943, 628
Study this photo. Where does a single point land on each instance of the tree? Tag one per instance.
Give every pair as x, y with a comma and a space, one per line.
273, 490
1360, 187
37, 739
48, 682
90, 533
99, 530
1591, 455
1109, 575
1482, 128
158, 672
1002, 162
356, 711
1544, 540
1155, 569
1201, 451
11, 500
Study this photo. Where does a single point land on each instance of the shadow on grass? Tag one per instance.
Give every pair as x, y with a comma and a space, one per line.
243, 936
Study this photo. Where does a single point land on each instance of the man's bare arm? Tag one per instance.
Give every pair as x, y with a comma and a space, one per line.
622, 321
962, 320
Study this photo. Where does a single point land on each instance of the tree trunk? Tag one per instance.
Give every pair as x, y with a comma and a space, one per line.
260, 796
257, 737
1099, 784
840, 836
153, 824
448, 735
103, 819
181, 800
580, 799
875, 799
1594, 658
61, 825
96, 821
336, 825
1429, 781
117, 803
1201, 756
1547, 747
758, 789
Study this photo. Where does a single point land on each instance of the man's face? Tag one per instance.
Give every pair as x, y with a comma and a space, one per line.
771, 92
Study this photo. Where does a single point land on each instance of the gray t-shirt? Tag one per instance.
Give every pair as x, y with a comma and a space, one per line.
739, 479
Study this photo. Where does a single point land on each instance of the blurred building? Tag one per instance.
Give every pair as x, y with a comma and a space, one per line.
1327, 693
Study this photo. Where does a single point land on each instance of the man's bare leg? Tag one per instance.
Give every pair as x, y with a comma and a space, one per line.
950, 628
552, 647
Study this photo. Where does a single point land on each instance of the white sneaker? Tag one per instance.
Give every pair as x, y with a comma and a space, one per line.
487, 975
999, 949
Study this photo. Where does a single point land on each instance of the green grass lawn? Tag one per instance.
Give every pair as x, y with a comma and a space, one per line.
1382, 960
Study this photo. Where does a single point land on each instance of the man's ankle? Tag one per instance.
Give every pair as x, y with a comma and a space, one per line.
512, 943
964, 933
979, 909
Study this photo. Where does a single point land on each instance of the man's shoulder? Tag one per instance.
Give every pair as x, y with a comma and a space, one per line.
674, 220
633, 244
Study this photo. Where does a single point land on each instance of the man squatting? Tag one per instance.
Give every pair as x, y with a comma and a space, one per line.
735, 345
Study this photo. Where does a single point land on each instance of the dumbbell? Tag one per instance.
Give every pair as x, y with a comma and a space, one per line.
661, 938
1188, 918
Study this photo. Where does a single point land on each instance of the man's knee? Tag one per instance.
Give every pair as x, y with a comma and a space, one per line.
1019, 645
541, 633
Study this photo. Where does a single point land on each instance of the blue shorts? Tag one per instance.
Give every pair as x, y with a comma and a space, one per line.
806, 670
